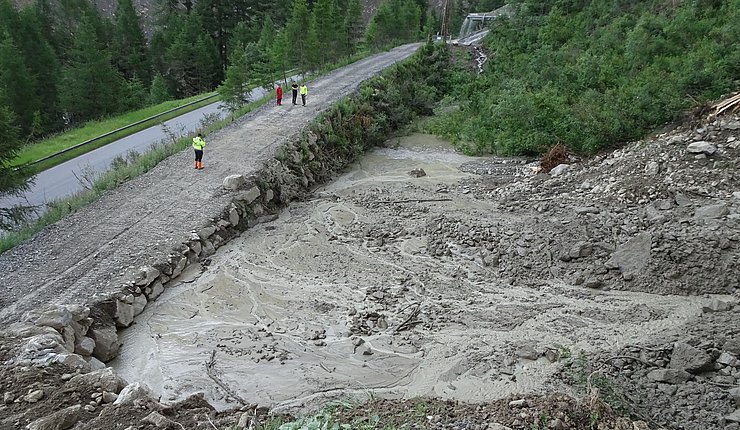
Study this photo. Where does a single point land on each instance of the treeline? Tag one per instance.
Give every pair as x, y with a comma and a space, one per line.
62, 63
593, 74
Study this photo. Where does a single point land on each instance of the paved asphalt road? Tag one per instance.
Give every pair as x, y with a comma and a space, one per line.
62, 180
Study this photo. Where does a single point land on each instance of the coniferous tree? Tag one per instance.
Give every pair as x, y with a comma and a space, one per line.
129, 44
17, 84
90, 83
192, 60
11, 181
353, 25
297, 30
159, 92
234, 89
327, 27
219, 19
263, 66
279, 56
43, 65
313, 50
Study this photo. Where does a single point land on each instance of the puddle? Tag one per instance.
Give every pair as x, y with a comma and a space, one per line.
339, 298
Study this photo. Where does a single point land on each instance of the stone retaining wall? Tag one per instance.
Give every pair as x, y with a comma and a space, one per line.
85, 336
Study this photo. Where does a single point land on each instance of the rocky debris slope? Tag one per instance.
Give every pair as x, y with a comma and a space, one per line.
689, 382
661, 216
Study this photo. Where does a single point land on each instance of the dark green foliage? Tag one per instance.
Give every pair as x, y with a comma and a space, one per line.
192, 60
129, 44
396, 22
159, 92
11, 181
297, 30
90, 84
17, 83
592, 74
234, 90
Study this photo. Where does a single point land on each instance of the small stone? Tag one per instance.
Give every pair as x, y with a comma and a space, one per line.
652, 168
109, 397
593, 283
34, 396
559, 169
59, 420
8, 397
521, 403
528, 352
717, 305
417, 173
728, 359
89, 408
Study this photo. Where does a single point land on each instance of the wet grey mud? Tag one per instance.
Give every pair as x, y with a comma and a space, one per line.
352, 293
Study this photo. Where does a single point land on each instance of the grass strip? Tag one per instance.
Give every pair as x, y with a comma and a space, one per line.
38, 150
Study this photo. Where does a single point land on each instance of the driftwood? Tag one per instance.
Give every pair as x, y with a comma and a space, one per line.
410, 321
727, 105
558, 154
414, 201
211, 371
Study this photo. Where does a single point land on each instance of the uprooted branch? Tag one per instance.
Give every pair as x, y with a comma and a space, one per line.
211, 371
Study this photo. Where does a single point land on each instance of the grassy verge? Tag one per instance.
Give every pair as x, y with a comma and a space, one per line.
123, 170
46, 147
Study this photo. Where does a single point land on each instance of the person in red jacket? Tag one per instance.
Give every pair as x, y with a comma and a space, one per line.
279, 93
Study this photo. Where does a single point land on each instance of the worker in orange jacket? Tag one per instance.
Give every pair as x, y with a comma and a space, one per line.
279, 93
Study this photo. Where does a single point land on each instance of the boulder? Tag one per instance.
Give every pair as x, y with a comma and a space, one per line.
711, 211
85, 346
59, 420
417, 173
701, 147
233, 182
124, 315
205, 232
728, 359
669, 376
106, 342
632, 256
735, 394
159, 420
559, 169
686, 357
733, 417
56, 317
250, 195
74, 361
146, 275
103, 379
717, 305
133, 392
234, 217
139, 304
156, 289
94, 363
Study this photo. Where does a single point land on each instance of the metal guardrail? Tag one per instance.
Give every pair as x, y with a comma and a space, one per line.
102, 136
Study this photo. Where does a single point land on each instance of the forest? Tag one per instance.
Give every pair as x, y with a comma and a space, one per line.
592, 74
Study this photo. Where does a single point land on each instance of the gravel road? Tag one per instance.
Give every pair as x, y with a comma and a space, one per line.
93, 250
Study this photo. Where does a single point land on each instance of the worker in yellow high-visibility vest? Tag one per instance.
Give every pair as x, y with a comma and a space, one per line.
304, 93
198, 145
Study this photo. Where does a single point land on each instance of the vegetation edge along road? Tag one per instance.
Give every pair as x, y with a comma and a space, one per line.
47, 153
